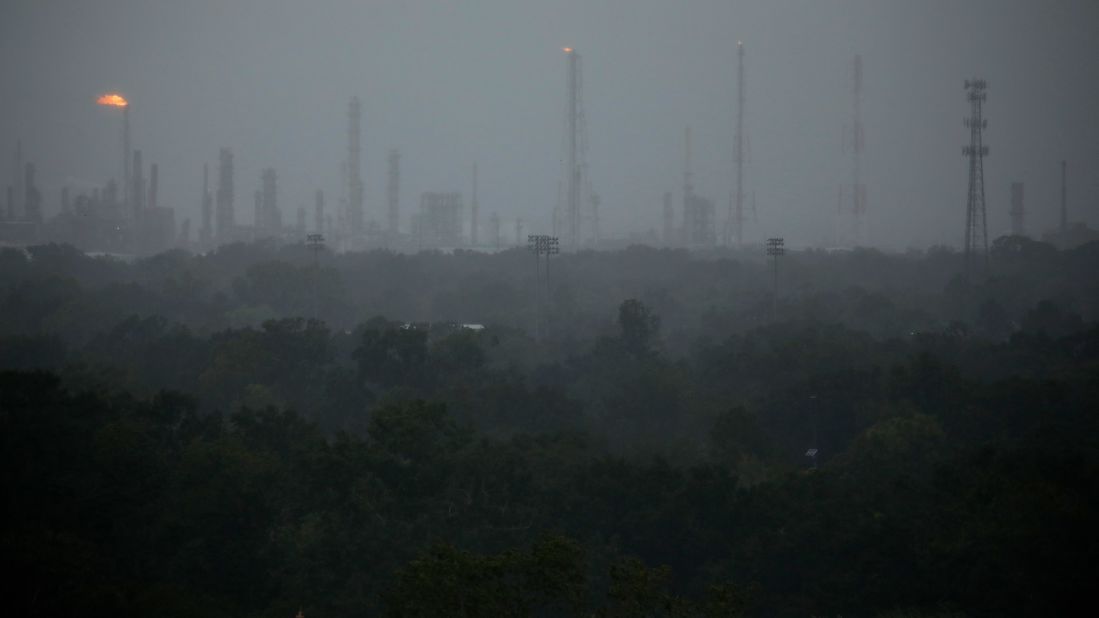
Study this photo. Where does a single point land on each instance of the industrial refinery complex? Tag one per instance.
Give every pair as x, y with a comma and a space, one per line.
124, 216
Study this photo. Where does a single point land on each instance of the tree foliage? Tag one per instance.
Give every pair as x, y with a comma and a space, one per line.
164, 451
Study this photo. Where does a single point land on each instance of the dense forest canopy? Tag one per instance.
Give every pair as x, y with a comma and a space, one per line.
259, 430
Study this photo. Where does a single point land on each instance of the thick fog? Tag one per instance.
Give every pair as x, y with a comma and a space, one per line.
453, 83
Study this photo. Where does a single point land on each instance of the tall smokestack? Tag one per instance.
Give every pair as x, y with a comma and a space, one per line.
206, 234
736, 218
354, 166
858, 189
18, 179
573, 177
688, 188
137, 192
226, 219
318, 212
32, 200
268, 215
669, 220
474, 208
595, 219
392, 190
1064, 196
494, 229
1018, 211
257, 214
114, 99
153, 173
126, 171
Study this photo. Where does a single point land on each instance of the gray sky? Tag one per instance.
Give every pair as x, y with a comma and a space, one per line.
450, 83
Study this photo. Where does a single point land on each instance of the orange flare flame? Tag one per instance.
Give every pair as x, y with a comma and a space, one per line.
113, 99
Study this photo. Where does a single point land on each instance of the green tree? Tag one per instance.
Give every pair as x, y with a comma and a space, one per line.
547, 579
638, 327
391, 355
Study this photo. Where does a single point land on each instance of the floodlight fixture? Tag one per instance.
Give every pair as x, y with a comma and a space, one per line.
776, 246
539, 245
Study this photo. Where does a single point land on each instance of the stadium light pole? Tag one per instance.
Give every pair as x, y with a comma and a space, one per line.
534, 245
813, 448
315, 242
539, 245
775, 249
553, 247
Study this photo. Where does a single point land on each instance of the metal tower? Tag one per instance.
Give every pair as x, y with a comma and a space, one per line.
137, 188
688, 182
18, 177
572, 165
224, 216
669, 221
699, 215
1018, 210
206, 234
776, 248
539, 245
32, 200
127, 155
268, 219
578, 190
474, 208
858, 189
734, 223
354, 167
594, 219
392, 188
114, 99
976, 224
494, 229
154, 176
1064, 196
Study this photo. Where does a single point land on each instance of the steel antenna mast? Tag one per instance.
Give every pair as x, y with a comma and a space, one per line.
976, 224
572, 209
735, 220
858, 189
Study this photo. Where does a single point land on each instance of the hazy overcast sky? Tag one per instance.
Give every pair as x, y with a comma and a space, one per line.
450, 83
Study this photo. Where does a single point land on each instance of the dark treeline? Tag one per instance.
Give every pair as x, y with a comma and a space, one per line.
253, 431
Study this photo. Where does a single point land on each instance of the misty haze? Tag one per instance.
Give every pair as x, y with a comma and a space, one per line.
549, 308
